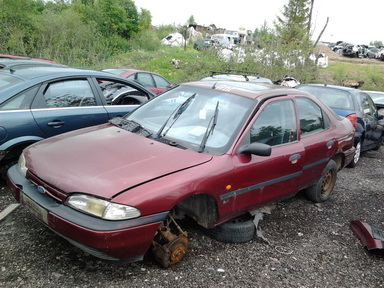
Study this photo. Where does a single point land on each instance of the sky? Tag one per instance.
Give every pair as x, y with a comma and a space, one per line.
356, 22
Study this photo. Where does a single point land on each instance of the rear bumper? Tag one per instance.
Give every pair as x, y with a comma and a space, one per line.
112, 240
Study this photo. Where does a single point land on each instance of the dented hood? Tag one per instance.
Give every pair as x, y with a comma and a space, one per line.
104, 160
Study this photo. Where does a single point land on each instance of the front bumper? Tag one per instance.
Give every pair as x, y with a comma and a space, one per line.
112, 240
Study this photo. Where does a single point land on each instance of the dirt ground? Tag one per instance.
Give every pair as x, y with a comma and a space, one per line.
309, 245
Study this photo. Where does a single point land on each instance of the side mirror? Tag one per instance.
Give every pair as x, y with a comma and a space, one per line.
255, 148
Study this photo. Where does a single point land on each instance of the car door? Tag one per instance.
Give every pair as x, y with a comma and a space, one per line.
120, 97
317, 142
369, 112
262, 179
67, 104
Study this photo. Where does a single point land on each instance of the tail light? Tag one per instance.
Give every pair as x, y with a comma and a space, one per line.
353, 118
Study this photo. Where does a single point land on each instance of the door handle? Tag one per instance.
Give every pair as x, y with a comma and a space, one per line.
294, 157
56, 124
330, 143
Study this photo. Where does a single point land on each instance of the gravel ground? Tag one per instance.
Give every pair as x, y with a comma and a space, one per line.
309, 245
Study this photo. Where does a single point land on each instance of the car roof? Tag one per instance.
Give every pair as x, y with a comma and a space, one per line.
345, 88
22, 57
13, 62
128, 70
237, 75
31, 75
31, 72
252, 90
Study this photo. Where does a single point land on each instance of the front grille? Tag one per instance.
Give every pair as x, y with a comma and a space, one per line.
49, 189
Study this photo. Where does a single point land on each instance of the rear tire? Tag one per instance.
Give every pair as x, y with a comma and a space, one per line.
356, 156
322, 190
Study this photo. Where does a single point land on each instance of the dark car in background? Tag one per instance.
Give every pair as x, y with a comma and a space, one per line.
152, 81
209, 152
358, 107
377, 97
37, 102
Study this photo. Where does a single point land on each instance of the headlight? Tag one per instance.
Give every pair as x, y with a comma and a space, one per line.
21, 165
102, 208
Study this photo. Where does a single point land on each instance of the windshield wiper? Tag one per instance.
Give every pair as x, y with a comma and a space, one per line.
130, 125
209, 129
176, 114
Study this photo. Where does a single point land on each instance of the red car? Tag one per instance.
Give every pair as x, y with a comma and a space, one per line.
152, 81
208, 151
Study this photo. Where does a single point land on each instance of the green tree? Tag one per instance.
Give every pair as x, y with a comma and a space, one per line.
286, 49
264, 36
116, 17
145, 19
293, 25
191, 20
376, 43
17, 25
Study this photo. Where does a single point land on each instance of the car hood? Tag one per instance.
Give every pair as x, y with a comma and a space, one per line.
105, 160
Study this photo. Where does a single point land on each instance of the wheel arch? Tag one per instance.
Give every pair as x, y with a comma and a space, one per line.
201, 207
340, 160
17, 145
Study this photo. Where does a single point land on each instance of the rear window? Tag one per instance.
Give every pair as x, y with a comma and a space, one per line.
334, 98
7, 81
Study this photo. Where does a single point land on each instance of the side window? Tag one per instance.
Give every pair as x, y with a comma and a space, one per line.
21, 101
145, 79
120, 93
132, 77
276, 124
311, 116
366, 104
72, 93
160, 82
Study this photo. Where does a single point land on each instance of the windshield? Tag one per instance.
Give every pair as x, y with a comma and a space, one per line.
206, 121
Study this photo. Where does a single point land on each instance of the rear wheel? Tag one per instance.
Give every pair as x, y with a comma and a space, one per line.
323, 189
356, 156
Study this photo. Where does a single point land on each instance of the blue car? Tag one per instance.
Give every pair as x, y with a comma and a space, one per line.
37, 102
355, 105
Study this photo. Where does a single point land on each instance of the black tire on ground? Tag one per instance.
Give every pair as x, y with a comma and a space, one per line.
238, 230
379, 143
356, 156
322, 190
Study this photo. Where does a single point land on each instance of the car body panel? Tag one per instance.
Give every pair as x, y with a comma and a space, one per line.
369, 235
156, 163
104, 179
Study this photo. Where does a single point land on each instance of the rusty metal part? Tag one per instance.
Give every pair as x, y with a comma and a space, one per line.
168, 247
